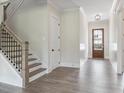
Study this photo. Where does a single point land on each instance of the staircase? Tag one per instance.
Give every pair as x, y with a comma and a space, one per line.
18, 53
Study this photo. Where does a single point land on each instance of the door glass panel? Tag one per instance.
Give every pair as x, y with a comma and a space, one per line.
98, 40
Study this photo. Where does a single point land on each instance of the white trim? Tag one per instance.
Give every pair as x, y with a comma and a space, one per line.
117, 4
70, 64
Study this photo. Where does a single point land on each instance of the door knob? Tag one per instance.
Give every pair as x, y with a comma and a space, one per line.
52, 49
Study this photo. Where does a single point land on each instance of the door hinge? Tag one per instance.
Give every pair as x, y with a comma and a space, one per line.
59, 62
59, 50
58, 37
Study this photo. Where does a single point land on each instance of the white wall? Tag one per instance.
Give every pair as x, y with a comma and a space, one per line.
1, 14
70, 38
30, 22
117, 36
120, 51
8, 75
83, 36
95, 25
113, 39
122, 25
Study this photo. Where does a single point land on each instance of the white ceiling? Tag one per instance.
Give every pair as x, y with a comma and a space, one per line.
91, 7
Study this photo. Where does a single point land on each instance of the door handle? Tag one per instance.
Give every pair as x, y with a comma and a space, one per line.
53, 50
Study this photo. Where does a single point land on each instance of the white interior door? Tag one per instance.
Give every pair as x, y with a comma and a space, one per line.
54, 43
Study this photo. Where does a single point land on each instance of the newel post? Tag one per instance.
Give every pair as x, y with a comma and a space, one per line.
25, 69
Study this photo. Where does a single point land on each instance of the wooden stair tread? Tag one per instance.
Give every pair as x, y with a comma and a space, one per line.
32, 59
34, 65
29, 54
11, 46
9, 41
4, 33
16, 56
14, 51
17, 62
36, 72
7, 37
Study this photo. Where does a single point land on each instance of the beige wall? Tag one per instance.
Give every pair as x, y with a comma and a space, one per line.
96, 25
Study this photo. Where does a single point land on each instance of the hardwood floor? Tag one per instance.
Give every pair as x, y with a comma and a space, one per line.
95, 76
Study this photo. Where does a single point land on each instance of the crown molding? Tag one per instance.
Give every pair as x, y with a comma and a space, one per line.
115, 6
118, 6
53, 5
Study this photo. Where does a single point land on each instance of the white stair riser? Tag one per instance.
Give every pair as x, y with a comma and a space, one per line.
37, 76
34, 68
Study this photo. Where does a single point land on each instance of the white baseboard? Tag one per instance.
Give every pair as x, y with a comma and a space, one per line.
69, 64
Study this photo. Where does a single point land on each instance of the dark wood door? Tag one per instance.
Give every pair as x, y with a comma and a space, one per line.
98, 43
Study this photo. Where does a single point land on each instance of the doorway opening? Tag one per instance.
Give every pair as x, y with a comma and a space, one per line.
98, 43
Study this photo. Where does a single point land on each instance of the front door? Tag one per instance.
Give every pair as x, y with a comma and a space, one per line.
54, 43
98, 43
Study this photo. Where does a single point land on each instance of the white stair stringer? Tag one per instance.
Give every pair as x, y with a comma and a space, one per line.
9, 74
